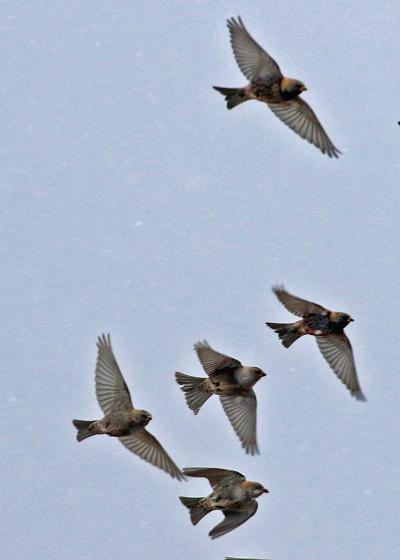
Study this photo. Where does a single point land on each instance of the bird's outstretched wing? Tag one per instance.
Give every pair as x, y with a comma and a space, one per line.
146, 446
296, 305
337, 351
299, 116
252, 59
233, 519
215, 476
241, 411
213, 361
111, 390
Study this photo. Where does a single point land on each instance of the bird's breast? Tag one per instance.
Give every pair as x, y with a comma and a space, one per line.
239, 494
115, 424
288, 95
245, 377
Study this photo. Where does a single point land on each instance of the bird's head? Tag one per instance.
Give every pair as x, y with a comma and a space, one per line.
145, 417
259, 373
341, 319
255, 489
259, 489
300, 87
291, 88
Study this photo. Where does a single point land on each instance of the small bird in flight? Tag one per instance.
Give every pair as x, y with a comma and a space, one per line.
267, 84
121, 419
232, 494
233, 383
328, 328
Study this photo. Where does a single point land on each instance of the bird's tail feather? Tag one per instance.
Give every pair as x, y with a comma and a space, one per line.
196, 513
195, 396
287, 332
233, 96
82, 427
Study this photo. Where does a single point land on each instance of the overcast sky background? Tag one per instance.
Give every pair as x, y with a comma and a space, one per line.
134, 203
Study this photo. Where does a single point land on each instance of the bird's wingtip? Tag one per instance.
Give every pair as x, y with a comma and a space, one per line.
277, 288
234, 22
201, 344
359, 395
251, 449
104, 340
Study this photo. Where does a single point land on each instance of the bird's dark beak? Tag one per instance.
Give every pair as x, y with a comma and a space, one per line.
263, 374
265, 491
350, 319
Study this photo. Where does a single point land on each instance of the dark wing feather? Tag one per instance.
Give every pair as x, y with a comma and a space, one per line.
233, 519
215, 476
299, 116
337, 351
213, 361
111, 390
296, 305
146, 446
252, 59
241, 411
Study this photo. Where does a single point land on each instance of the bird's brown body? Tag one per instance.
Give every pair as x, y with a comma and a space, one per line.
122, 420
229, 497
232, 494
121, 423
268, 85
223, 384
328, 328
283, 89
233, 383
321, 324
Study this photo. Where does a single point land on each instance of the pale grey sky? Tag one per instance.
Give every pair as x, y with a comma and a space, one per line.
134, 203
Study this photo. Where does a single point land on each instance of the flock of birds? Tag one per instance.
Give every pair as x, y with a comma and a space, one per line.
227, 377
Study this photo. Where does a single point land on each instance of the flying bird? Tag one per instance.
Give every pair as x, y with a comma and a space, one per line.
122, 419
267, 84
233, 383
328, 328
232, 494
